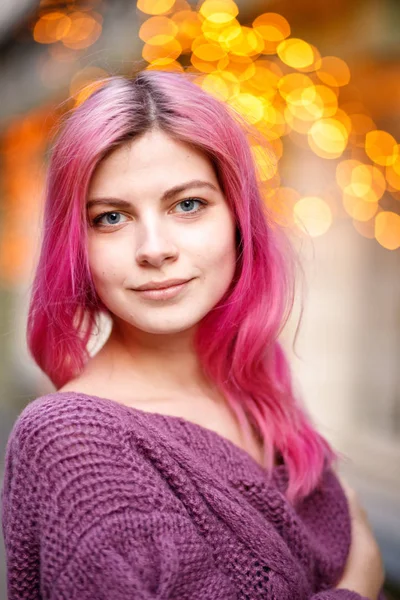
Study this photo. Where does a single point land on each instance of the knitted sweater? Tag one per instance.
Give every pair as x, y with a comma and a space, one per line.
106, 502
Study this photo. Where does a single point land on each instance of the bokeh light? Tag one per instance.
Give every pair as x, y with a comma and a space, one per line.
155, 7
295, 53
219, 12
281, 85
387, 230
328, 138
381, 147
158, 31
313, 215
333, 71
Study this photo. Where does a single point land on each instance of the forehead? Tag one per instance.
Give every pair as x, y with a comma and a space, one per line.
154, 161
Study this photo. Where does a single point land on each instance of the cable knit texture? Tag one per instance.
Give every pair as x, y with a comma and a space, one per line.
106, 502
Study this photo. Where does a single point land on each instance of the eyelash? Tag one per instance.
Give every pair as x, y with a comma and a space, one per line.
96, 221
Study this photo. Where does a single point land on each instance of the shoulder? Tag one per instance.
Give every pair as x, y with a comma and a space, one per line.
48, 419
75, 452
60, 434
57, 414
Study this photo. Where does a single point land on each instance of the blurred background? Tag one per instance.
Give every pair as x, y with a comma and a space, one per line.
321, 81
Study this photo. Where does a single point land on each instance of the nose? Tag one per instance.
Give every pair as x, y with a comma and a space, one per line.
155, 244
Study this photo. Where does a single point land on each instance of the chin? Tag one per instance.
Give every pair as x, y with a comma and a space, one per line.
166, 328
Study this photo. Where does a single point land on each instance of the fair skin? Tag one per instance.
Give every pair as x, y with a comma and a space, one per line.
149, 361
364, 571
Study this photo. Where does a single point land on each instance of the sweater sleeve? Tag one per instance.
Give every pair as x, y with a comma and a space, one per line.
86, 516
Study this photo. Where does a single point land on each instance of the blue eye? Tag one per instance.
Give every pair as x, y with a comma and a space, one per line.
188, 203
113, 213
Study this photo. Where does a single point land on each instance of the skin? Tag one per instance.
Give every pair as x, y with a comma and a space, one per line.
151, 344
364, 570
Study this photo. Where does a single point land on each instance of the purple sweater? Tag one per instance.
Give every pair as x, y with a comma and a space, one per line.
105, 502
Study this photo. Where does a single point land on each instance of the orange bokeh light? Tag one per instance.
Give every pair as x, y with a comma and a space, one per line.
155, 7
333, 71
157, 31
381, 147
387, 230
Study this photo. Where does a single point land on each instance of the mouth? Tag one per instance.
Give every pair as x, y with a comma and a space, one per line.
164, 293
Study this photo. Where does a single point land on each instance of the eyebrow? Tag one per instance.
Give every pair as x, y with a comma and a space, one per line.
167, 195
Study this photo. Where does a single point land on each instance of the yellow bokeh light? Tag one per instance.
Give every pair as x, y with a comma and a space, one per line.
266, 162
51, 27
239, 68
215, 85
270, 118
312, 103
161, 55
360, 180
246, 43
295, 53
229, 34
212, 31
312, 215
328, 138
219, 11
293, 81
315, 64
204, 50
387, 230
273, 124
251, 107
333, 71
381, 147
155, 7
157, 31
266, 77
209, 66
366, 182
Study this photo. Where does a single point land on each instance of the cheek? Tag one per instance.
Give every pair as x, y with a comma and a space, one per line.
220, 255
105, 263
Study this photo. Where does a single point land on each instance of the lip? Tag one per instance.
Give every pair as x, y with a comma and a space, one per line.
160, 285
163, 293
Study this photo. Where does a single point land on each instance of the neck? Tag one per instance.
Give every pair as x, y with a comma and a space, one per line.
156, 363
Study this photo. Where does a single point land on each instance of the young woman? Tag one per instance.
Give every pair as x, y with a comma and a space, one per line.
176, 463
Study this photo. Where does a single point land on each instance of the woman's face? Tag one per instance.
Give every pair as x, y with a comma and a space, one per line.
167, 219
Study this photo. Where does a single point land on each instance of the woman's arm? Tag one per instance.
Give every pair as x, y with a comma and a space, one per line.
364, 570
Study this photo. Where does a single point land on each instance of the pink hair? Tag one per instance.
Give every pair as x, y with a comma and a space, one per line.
237, 341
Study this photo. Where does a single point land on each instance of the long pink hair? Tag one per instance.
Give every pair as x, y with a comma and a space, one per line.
237, 341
